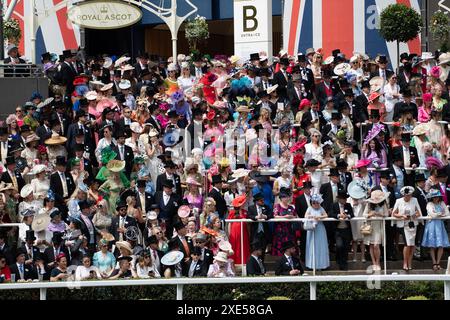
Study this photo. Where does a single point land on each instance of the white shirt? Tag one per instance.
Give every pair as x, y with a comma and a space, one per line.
62, 176
82, 272
166, 198
407, 208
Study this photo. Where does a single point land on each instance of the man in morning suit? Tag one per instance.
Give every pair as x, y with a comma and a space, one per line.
288, 264
342, 211
124, 152
168, 203
260, 232
169, 175
216, 194
255, 265
62, 184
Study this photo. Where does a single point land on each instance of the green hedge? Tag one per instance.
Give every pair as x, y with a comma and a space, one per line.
325, 291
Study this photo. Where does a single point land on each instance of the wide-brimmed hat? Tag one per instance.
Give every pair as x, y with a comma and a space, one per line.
56, 139
312, 163
434, 193
107, 236
225, 245
184, 211
239, 201
377, 196
357, 189
26, 190
121, 60
153, 133
221, 256
420, 129
107, 62
124, 84
427, 56
115, 165
40, 222
373, 96
328, 60
45, 103
444, 58
362, 163
172, 137
91, 95
272, 89
32, 137
192, 181
172, 258
6, 186
124, 245
243, 109
136, 127
342, 68
407, 190
106, 87
240, 173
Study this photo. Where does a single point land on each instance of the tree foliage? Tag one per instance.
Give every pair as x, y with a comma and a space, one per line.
400, 23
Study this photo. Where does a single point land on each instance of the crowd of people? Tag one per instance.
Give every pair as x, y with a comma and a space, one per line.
138, 170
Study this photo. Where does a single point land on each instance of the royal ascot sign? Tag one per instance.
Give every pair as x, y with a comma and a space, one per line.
104, 14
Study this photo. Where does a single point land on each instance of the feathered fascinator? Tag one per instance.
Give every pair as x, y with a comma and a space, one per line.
376, 129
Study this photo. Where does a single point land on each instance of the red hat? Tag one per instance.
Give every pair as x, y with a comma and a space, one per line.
80, 80
298, 146
211, 115
304, 103
362, 163
373, 96
239, 201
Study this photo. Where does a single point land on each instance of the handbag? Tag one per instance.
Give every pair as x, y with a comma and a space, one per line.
309, 224
366, 229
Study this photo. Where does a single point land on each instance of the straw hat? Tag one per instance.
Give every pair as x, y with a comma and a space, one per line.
32, 137
40, 222
124, 245
444, 58
136, 127
243, 109
121, 60
221, 256
376, 83
56, 139
107, 236
225, 245
420, 129
377, 196
6, 186
106, 87
240, 173
115, 165
234, 59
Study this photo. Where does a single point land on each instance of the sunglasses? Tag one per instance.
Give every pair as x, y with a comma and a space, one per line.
19, 111
159, 232
316, 136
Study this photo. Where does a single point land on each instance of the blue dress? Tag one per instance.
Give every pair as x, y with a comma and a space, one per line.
435, 235
318, 236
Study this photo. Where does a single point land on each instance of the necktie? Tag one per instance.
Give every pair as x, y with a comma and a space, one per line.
290, 262
122, 153
21, 271
186, 247
154, 255
64, 185
343, 178
14, 179
261, 266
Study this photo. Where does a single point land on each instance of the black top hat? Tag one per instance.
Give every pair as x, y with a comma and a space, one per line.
336, 116
152, 240
333, 172
79, 114
284, 61
342, 194
365, 84
168, 184
155, 206
29, 236
349, 93
128, 258
3, 131
341, 164
397, 156
375, 113
307, 185
46, 56
120, 205
404, 56
107, 110
117, 73
335, 52
196, 251
10, 160
61, 161
84, 204
145, 72
57, 237
169, 164
264, 72
179, 225
68, 54
406, 136
420, 177
382, 59
287, 245
254, 56
141, 183
79, 147
441, 173
172, 114
258, 196
343, 83
312, 163
167, 154
121, 133
301, 57
385, 174
217, 179
21, 251
83, 103
55, 213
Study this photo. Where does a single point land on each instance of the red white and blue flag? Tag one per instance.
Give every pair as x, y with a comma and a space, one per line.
348, 25
55, 33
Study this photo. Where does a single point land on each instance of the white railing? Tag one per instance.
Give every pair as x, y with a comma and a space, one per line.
180, 282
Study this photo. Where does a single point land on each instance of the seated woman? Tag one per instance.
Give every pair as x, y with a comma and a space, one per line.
218, 269
124, 270
87, 271
60, 272
145, 268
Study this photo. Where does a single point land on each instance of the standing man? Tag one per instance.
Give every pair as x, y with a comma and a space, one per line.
260, 232
62, 184
342, 211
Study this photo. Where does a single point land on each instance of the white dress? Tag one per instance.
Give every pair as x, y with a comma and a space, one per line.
40, 188
186, 83
358, 210
409, 209
30, 155
155, 166
377, 235
312, 152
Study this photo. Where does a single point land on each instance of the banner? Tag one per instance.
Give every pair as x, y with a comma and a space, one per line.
348, 25
252, 27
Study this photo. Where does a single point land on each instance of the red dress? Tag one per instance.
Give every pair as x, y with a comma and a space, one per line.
298, 184
235, 237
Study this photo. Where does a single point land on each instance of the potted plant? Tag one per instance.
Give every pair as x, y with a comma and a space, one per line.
196, 32
399, 23
440, 29
11, 31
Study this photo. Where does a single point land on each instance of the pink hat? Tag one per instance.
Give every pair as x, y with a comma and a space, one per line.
362, 163
435, 72
184, 211
431, 162
192, 181
427, 97
304, 103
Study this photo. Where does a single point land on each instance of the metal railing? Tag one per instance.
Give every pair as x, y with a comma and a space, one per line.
180, 282
20, 70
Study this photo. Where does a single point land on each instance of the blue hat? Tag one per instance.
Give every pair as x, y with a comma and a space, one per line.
434, 193
36, 95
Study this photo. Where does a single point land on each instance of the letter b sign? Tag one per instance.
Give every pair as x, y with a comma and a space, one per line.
250, 21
